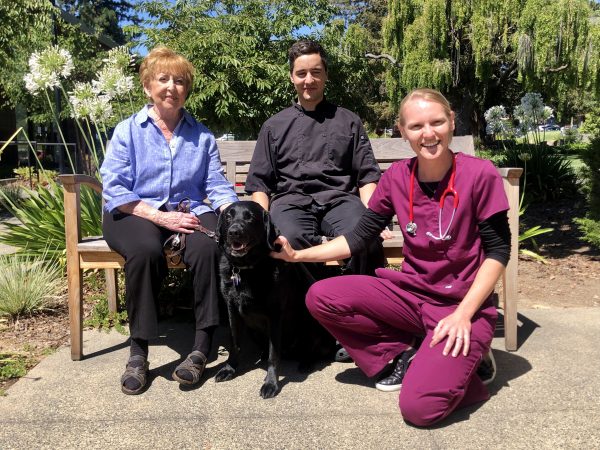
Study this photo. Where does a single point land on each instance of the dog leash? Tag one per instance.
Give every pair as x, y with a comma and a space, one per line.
175, 244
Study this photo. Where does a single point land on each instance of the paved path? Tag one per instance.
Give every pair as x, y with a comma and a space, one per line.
546, 395
6, 217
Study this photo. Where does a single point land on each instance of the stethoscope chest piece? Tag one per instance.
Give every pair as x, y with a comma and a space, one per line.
411, 228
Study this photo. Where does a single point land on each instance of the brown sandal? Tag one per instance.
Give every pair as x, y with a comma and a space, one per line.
195, 369
139, 373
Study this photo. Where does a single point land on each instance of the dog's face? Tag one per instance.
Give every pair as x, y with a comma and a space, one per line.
245, 231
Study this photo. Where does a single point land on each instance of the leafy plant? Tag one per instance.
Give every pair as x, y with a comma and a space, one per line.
11, 191
102, 318
33, 177
42, 216
590, 225
590, 229
548, 174
571, 135
531, 233
12, 365
28, 284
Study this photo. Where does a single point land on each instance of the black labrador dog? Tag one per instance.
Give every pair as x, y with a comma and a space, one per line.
263, 293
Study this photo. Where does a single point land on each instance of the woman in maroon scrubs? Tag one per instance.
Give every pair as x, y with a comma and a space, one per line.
435, 316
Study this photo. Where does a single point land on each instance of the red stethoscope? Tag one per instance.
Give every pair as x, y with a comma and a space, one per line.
411, 226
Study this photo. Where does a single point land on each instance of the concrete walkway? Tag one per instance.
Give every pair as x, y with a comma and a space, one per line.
546, 395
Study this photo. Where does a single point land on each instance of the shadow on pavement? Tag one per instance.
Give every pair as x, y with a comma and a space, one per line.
525, 328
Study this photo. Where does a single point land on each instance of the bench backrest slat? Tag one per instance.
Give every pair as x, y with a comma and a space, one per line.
236, 155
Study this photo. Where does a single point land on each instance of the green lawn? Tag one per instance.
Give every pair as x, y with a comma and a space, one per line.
544, 136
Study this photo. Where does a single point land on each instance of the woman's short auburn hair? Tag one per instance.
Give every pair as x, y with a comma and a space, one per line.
426, 94
164, 60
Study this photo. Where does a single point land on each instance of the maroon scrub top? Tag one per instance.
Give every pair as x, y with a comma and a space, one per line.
440, 271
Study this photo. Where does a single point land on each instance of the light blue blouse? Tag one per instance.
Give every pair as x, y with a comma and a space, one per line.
140, 165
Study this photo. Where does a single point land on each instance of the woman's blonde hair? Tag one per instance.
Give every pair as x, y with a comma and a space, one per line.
427, 94
165, 60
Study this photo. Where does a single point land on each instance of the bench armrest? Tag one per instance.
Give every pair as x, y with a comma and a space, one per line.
78, 179
72, 203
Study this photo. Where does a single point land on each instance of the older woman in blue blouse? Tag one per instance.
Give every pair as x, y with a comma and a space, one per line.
158, 157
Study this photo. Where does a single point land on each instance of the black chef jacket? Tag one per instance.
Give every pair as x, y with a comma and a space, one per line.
318, 155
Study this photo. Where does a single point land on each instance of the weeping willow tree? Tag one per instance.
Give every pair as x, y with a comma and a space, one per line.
484, 51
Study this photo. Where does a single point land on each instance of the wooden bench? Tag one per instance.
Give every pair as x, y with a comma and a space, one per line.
94, 253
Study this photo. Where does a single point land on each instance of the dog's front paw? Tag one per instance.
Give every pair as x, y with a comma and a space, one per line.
225, 374
269, 389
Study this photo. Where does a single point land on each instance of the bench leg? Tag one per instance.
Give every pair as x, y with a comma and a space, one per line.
509, 297
111, 289
75, 283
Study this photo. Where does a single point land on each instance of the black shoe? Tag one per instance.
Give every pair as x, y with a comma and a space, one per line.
487, 368
393, 381
341, 355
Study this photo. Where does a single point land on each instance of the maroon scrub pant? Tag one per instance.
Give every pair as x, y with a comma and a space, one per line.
375, 320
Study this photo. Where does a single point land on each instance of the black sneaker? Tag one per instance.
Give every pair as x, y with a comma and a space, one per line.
393, 381
341, 355
487, 368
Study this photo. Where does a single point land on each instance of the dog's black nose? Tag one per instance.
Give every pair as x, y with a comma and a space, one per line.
235, 231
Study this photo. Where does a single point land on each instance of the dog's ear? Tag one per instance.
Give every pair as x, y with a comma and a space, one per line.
272, 232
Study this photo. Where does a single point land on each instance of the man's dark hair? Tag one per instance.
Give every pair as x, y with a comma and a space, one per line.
306, 47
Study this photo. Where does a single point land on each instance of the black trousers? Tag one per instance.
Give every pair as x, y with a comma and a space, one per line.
305, 225
140, 242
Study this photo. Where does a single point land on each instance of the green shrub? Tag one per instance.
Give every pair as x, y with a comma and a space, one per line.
571, 135
591, 124
591, 157
576, 148
12, 192
33, 177
28, 284
590, 229
590, 225
549, 173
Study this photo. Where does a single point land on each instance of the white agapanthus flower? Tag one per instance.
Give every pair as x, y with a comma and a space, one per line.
113, 82
547, 113
46, 68
533, 105
119, 58
85, 103
496, 118
82, 98
495, 113
101, 109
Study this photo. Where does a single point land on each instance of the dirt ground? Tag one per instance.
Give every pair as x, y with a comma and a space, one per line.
571, 275
569, 278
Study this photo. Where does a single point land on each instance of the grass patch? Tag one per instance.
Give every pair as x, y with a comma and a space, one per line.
28, 284
545, 136
14, 365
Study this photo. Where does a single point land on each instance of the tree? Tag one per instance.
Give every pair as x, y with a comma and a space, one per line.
104, 16
476, 50
239, 51
33, 25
